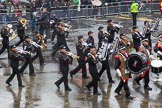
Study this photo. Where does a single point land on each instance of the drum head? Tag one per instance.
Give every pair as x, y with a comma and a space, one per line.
156, 63
136, 63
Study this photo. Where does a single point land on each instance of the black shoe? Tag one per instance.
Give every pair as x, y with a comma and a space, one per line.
57, 85
42, 64
112, 81
8, 84
148, 88
129, 97
97, 93
68, 89
21, 86
85, 77
137, 82
89, 89
99, 80
32, 74
71, 75
118, 93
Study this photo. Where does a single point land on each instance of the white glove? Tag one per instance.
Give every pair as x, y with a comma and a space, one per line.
65, 29
118, 72
152, 57
126, 71
70, 54
159, 52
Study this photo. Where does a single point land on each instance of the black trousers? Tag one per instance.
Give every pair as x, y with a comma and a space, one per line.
28, 62
4, 47
64, 79
105, 66
150, 43
20, 41
15, 71
134, 16
53, 35
110, 40
136, 48
56, 47
146, 80
38, 54
82, 65
43, 30
94, 82
126, 88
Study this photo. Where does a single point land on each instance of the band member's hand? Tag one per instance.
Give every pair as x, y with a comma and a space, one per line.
126, 71
152, 57
159, 52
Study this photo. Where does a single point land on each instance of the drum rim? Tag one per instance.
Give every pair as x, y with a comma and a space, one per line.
137, 54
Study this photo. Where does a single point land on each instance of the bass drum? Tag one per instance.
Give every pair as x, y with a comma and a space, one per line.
136, 63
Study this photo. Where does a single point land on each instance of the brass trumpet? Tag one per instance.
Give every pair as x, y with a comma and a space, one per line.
72, 55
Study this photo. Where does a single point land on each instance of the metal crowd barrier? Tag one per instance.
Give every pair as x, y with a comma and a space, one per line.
104, 11
12, 17
87, 11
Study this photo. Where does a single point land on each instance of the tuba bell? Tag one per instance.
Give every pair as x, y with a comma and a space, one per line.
23, 21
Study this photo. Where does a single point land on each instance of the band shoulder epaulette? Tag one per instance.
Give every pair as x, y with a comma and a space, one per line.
117, 56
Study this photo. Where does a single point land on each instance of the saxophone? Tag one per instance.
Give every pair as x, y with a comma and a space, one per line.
43, 45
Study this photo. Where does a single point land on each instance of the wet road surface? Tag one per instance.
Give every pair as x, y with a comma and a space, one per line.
40, 91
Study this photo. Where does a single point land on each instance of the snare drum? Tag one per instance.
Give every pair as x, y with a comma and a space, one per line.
136, 63
156, 66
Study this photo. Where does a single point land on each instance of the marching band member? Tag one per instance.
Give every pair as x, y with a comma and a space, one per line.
90, 39
80, 47
39, 41
43, 21
92, 61
105, 66
148, 33
136, 36
14, 57
123, 73
5, 41
158, 47
126, 41
65, 60
111, 29
145, 49
55, 20
101, 36
21, 26
27, 46
60, 39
